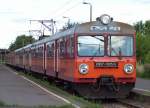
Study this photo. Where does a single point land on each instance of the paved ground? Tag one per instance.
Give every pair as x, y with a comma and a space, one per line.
142, 84
16, 90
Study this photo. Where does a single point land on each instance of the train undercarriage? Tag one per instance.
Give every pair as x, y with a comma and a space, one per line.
103, 89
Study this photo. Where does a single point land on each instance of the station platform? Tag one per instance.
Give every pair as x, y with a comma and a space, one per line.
142, 85
14, 90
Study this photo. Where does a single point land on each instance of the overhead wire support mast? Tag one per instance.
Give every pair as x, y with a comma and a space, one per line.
36, 32
49, 24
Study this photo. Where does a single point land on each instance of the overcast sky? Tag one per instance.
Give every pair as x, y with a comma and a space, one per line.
15, 14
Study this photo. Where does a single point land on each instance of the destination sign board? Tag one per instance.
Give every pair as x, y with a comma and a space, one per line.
105, 28
106, 64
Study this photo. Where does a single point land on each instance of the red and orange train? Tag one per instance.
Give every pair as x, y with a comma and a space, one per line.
97, 58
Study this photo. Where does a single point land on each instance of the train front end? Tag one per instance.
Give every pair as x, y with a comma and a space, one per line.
105, 59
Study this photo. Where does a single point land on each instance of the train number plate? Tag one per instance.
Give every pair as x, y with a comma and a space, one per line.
106, 64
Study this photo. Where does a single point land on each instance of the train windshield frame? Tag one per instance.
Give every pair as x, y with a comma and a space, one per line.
91, 45
120, 46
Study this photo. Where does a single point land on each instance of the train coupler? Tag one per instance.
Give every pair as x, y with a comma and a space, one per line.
109, 83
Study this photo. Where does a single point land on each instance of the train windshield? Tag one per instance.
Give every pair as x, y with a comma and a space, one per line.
120, 46
91, 46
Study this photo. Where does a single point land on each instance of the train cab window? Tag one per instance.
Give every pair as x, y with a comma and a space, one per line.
120, 46
90, 46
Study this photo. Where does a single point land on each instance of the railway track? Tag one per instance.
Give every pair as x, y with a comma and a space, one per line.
133, 101
121, 104
131, 104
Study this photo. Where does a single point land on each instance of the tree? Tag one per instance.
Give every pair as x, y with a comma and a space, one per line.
139, 47
139, 27
142, 41
68, 26
147, 28
21, 41
147, 57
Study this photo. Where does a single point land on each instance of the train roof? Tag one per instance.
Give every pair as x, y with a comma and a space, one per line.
25, 47
96, 27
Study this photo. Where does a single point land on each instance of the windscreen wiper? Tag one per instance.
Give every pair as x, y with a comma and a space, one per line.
117, 54
98, 50
98, 38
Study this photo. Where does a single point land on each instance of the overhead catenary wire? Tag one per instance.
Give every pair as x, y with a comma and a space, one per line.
67, 10
62, 6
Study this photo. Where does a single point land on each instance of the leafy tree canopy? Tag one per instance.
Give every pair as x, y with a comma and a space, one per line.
143, 41
68, 25
21, 41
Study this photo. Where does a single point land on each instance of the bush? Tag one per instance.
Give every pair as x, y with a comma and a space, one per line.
2, 103
146, 73
147, 58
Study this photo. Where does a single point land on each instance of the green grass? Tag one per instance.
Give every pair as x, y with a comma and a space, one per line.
64, 106
2, 62
2, 103
72, 98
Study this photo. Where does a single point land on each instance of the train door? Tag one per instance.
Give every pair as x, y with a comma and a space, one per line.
24, 59
44, 58
30, 59
56, 58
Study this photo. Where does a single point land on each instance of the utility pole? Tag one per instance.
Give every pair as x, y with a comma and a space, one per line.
90, 9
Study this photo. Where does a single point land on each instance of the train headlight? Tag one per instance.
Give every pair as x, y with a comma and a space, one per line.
105, 19
83, 68
128, 68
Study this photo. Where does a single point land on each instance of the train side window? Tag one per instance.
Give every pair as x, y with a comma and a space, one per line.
36, 52
32, 52
41, 52
50, 49
62, 47
70, 46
